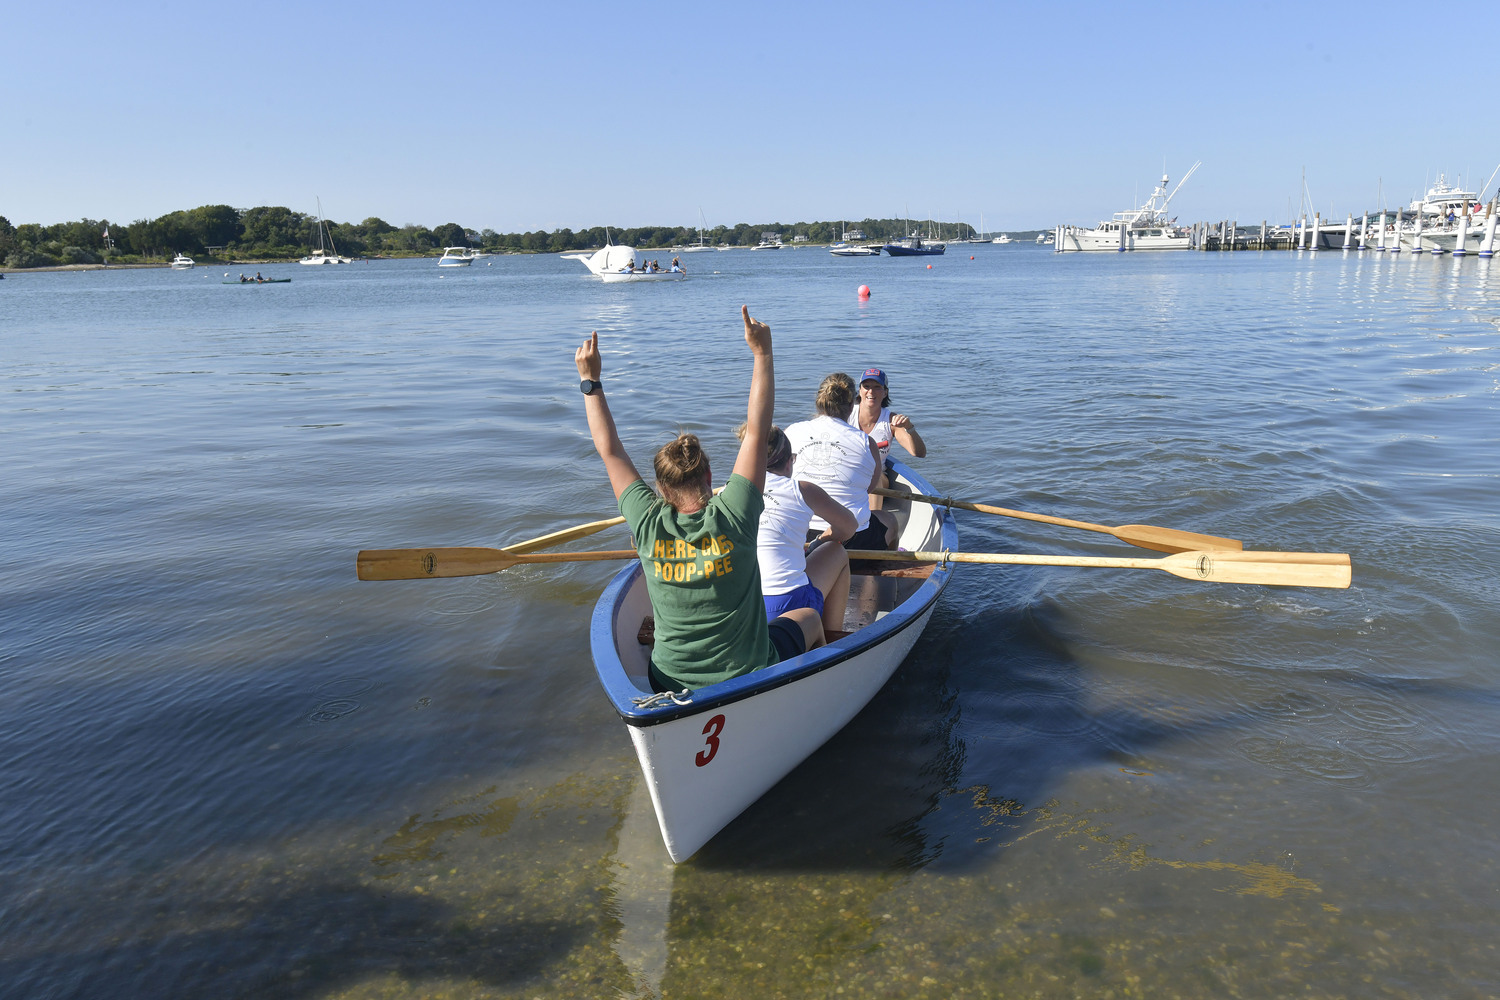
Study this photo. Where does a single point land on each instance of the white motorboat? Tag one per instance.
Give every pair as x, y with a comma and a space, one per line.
325, 254
769, 243
1145, 228
843, 248
456, 257
1041, 237
706, 755
612, 264
182, 262
1002, 238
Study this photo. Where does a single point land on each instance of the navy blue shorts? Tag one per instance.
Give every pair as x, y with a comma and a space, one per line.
871, 536
787, 637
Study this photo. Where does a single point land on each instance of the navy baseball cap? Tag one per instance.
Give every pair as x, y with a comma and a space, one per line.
873, 373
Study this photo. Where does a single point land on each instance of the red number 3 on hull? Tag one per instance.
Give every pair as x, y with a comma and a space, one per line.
711, 731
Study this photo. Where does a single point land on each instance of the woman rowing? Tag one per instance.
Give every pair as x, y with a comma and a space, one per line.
872, 414
695, 547
790, 576
844, 461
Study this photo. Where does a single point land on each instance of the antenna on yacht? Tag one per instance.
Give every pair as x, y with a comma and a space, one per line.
1180, 183
1479, 194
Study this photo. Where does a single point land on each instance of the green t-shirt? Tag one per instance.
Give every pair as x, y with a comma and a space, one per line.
704, 581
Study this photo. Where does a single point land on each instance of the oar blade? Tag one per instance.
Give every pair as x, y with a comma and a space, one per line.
427, 564
1278, 569
565, 535
1147, 536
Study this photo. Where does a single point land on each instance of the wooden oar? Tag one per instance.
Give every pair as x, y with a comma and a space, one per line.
427, 564
1142, 535
565, 535
1282, 569
1285, 569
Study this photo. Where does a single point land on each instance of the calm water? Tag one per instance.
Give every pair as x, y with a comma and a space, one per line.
230, 769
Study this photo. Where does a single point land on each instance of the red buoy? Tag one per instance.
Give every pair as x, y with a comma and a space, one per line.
864, 291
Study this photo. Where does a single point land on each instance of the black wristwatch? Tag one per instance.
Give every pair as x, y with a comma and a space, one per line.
588, 386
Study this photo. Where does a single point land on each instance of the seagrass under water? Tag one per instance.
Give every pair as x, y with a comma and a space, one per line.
232, 769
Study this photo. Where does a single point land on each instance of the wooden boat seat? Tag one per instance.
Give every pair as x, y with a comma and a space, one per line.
900, 570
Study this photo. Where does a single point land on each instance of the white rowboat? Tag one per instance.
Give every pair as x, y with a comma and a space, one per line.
708, 754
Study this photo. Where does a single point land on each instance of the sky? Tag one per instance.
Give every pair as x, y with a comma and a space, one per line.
518, 117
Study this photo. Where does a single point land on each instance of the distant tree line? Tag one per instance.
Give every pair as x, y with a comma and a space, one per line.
275, 233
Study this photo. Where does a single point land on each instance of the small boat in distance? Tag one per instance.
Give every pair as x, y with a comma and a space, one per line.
707, 754
702, 246
182, 262
1002, 238
322, 255
843, 248
613, 264
456, 257
769, 241
915, 246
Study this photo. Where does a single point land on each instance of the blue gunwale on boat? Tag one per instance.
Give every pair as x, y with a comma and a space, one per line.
622, 691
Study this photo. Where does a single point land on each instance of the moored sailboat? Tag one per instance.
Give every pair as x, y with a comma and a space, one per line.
328, 254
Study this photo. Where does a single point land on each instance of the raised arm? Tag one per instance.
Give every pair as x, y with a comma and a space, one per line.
842, 524
905, 433
751, 461
617, 464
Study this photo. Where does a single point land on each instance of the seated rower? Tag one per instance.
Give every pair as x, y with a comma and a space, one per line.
844, 461
695, 547
790, 576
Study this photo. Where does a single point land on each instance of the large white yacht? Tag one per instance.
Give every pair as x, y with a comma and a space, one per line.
1434, 221
1145, 228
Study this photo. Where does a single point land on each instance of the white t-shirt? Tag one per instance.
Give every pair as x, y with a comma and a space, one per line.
836, 457
881, 432
781, 545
